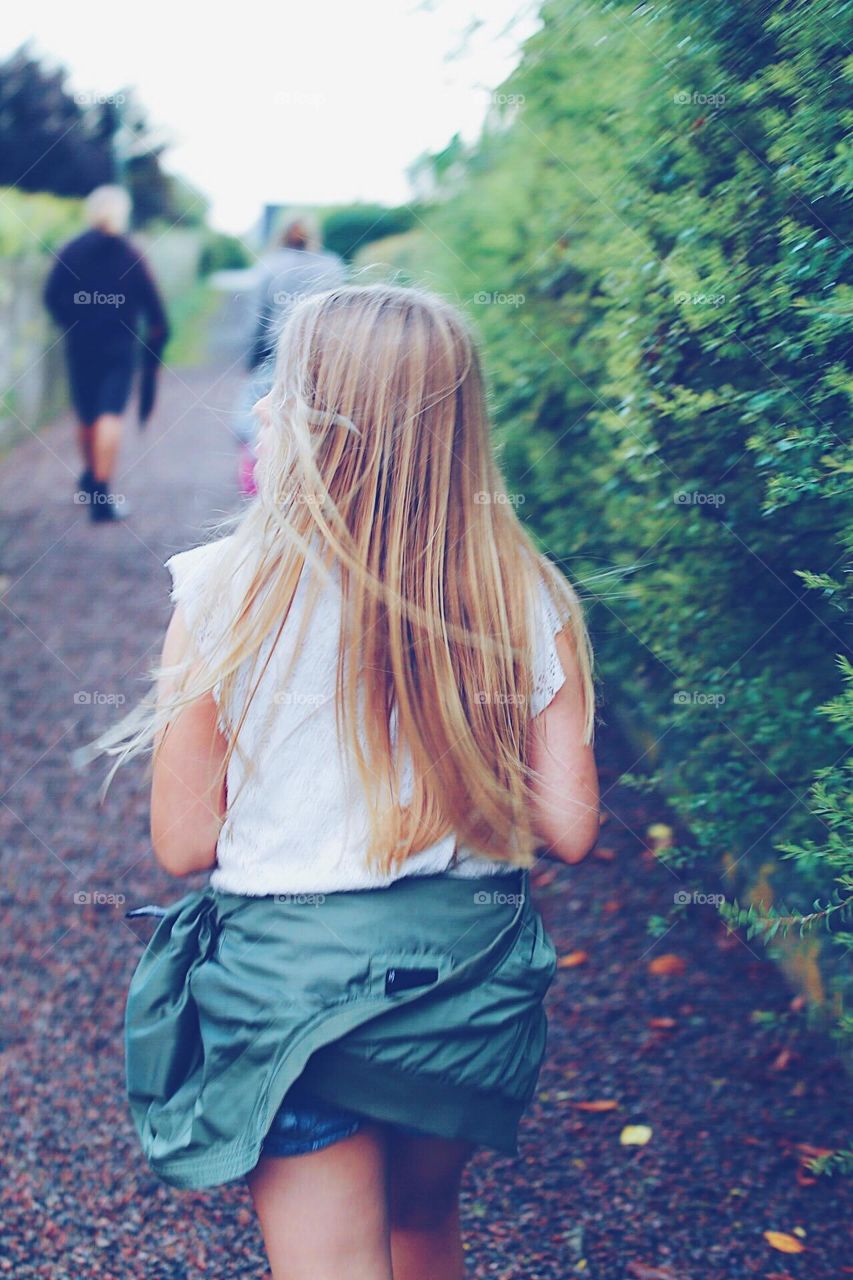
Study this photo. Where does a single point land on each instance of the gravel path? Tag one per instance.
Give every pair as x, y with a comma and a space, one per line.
730, 1096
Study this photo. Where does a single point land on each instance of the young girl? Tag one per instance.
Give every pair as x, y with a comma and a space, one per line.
375, 704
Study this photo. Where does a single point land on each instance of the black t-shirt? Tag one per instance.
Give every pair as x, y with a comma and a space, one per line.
99, 289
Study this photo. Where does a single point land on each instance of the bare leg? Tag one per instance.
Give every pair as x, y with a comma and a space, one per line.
85, 443
107, 438
424, 1176
324, 1215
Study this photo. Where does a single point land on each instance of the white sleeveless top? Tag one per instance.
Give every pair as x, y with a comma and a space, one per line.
300, 823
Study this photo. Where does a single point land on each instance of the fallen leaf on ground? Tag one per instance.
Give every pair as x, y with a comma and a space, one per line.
667, 963
597, 1104
808, 1152
783, 1242
659, 836
604, 854
635, 1135
663, 1024
572, 959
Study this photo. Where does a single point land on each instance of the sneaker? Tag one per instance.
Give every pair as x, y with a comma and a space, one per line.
83, 493
107, 507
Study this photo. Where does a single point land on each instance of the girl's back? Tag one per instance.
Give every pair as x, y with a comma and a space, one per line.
297, 820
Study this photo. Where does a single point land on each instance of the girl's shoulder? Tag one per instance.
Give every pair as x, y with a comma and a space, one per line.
553, 612
193, 568
193, 573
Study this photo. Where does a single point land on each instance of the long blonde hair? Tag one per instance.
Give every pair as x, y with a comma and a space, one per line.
380, 462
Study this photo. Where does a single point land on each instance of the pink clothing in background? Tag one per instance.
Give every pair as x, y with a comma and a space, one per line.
246, 471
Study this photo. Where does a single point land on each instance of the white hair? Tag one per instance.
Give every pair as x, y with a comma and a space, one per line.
108, 209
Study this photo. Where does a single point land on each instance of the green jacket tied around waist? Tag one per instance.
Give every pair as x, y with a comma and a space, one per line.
418, 1004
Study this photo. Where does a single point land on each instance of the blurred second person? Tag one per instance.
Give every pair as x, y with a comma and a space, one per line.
98, 291
297, 266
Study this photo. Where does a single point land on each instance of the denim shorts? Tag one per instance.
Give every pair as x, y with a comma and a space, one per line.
306, 1123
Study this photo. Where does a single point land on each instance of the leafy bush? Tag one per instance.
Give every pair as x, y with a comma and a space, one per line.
348, 229
650, 233
33, 224
222, 252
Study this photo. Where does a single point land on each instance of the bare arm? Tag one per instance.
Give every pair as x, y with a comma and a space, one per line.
566, 796
187, 794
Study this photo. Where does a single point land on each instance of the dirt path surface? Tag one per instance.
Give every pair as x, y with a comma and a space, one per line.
729, 1093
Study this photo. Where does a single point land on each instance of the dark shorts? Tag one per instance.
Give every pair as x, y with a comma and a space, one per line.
101, 386
306, 1123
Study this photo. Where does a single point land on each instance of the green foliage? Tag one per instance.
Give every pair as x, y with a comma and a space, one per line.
191, 313
222, 252
56, 141
34, 224
651, 236
830, 856
840, 1162
348, 229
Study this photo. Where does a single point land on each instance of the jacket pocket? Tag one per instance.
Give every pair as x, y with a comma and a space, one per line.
532, 960
404, 973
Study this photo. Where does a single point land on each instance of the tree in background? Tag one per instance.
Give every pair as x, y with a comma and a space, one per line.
48, 140
65, 144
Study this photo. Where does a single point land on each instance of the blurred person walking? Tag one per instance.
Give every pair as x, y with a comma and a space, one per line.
298, 266
97, 292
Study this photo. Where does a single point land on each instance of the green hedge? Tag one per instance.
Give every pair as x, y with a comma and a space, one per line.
651, 234
34, 224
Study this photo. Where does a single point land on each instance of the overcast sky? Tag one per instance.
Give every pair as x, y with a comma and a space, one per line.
317, 102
